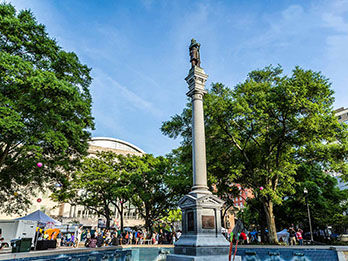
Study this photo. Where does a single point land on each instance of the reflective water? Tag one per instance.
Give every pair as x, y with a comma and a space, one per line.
159, 254
287, 254
106, 255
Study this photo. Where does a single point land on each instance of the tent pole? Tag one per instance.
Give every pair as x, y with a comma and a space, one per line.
36, 236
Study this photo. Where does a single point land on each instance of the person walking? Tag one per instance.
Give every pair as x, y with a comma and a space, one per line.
127, 238
136, 238
242, 238
130, 238
299, 236
292, 235
78, 236
100, 240
59, 240
72, 240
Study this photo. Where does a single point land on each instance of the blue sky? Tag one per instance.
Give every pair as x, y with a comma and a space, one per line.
138, 51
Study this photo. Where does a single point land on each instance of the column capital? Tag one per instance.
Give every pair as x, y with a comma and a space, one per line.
196, 94
196, 80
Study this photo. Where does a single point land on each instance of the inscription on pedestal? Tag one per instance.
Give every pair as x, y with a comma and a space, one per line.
190, 221
208, 222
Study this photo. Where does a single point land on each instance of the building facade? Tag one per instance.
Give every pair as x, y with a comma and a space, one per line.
238, 205
342, 114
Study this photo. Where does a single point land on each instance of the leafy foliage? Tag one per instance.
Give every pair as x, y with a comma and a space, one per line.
326, 201
260, 132
101, 185
105, 183
45, 109
153, 194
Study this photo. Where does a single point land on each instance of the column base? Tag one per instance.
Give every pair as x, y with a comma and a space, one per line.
198, 191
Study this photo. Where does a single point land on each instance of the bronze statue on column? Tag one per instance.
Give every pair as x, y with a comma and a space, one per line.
195, 59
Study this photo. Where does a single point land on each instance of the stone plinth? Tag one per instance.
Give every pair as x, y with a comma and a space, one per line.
201, 224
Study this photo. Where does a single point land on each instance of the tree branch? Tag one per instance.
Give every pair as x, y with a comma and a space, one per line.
4, 153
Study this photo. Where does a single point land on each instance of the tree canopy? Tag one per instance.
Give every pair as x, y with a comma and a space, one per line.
326, 201
101, 185
153, 194
106, 181
45, 109
259, 132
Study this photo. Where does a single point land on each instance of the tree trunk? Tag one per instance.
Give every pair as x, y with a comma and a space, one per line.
120, 211
108, 218
148, 224
263, 233
263, 224
148, 221
107, 222
272, 232
223, 215
121, 216
223, 223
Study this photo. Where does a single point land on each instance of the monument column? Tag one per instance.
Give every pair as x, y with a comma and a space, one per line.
196, 81
201, 237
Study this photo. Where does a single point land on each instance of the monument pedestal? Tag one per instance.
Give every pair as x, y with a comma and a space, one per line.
201, 238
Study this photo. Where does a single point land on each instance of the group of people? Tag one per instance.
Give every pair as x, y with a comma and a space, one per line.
68, 239
63, 239
295, 235
244, 237
106, 237
292, 236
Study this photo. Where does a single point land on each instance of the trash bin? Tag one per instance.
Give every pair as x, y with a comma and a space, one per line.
25, 244
21, 245
15, 244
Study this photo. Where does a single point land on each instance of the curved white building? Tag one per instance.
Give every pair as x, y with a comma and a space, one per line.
115, 145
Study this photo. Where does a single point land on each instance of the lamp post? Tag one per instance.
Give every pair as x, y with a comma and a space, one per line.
305, 191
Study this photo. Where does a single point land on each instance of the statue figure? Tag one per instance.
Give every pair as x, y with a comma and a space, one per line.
195, 59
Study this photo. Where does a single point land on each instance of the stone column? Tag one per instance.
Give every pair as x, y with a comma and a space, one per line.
196, 81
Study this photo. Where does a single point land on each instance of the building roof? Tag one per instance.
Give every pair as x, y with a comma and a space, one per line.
114, 144
340, 111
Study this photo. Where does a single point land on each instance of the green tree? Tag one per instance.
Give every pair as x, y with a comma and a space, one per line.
174, 215
153, 194
45, 109
101, 185
259, 132
326, 201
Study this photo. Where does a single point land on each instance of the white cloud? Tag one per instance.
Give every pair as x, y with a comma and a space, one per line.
133, 99
336, 22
